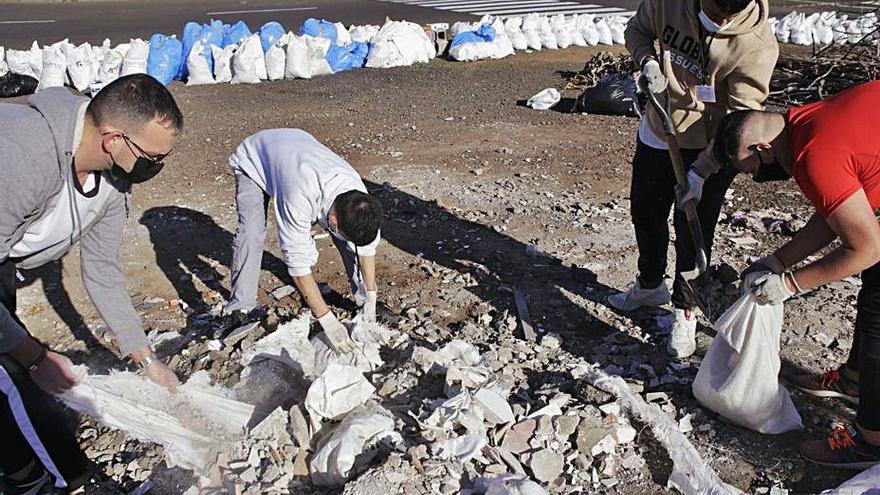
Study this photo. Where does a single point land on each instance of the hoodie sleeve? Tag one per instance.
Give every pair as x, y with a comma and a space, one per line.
104, 280
21, 198
749, 83
640, 33
293, 216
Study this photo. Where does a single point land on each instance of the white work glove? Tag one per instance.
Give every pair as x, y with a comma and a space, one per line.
653, 77
694, 189
336, 333
770, 288
769, 263
370, 306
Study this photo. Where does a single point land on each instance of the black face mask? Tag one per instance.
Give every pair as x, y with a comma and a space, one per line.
144, 169
771, 171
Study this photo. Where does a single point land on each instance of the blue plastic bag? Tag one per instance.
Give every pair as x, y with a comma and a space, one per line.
351, 56
208, 35
319, 29
484, 34
270, 33
163, 62
233, 34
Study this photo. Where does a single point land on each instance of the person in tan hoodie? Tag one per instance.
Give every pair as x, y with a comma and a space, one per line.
714, 57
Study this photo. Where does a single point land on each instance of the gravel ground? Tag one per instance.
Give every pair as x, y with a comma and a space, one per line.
495, 193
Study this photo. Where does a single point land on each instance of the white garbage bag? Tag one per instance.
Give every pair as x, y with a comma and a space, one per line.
783, 27
54, 66
307, 57
617, 25
111, 66
363, 34
503, 47
604, 30
26, 62
801, 31
823, 31
98, 54
351, 445
739, 377
577, 38
247, 60
560, 31
135, 61
4, 67
223, 63
530, 30
275, 61
337, 391
587, 27
513, 27
79, 65
545, 32
400, 44
343, 37
197, 65
545, 99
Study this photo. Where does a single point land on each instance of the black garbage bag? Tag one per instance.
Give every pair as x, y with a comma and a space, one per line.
13, 84
614, 94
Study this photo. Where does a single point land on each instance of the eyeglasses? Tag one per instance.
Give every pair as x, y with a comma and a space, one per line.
156, 159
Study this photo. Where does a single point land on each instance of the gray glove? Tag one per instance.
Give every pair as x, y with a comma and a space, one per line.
370, 306
694, 190
336, 333
770, 288
769, 263
652, 77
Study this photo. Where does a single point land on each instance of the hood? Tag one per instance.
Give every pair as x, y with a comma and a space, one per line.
64, 113
749, 20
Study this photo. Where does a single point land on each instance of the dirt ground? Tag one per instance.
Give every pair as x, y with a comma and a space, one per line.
470, 179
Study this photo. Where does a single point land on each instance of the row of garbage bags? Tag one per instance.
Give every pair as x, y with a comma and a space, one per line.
824, 28
217, 52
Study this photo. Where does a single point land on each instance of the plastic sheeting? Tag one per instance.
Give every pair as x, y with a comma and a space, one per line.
193, 424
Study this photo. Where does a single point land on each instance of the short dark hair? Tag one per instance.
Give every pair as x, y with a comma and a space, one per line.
133, 101
729, 136
730, 7
358, 216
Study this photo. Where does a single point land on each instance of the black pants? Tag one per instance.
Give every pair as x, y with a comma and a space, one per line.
652, 195
864, 356
32, 425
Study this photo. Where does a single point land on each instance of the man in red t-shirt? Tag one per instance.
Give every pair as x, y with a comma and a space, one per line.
832, 148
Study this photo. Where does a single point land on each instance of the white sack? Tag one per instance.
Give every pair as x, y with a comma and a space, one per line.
289, 345
192, 425
98, 54
502, 44
4, 67
343, 37
247, 60
307, 57
338, 391
577, 38
513, 27
54, 66
617, 27
739, 377
364, 34
135, 60
560, 31
197, 65
545, 99
545, 32
587, 26
604, 31
400, 44
26, 62
348, 446
865, 483
79, 65
275, 61
222, 63
530, 30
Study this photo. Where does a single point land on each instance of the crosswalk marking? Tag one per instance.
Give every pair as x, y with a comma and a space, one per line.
508, 8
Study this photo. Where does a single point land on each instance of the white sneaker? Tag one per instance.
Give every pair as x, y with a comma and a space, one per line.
683, 342
636, 297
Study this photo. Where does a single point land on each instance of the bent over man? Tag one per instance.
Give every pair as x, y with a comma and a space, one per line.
832, 149
715, 56
308, 184
68, 165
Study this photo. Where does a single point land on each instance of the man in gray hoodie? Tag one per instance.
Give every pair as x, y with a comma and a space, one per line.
68, 165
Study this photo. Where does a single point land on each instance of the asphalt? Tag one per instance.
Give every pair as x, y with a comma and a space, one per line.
92, 21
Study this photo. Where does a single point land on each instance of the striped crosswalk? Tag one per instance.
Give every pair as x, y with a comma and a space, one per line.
505, 8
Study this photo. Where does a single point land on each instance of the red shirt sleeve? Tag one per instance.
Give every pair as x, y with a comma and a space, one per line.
827, 177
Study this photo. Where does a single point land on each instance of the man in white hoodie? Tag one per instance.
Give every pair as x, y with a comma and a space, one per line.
308, 184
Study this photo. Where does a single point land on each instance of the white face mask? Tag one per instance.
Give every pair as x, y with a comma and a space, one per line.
711, 25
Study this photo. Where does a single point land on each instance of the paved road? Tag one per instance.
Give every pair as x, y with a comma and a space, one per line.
20, 24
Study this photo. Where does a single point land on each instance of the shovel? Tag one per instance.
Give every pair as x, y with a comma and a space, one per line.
689, 208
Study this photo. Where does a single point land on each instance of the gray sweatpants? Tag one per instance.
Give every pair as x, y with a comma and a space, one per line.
247, 257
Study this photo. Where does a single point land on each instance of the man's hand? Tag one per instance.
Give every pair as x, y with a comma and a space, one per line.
694, 190
54, 374
161, 374
769, 263
337, 334
652, 77
771, 288
370, 306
